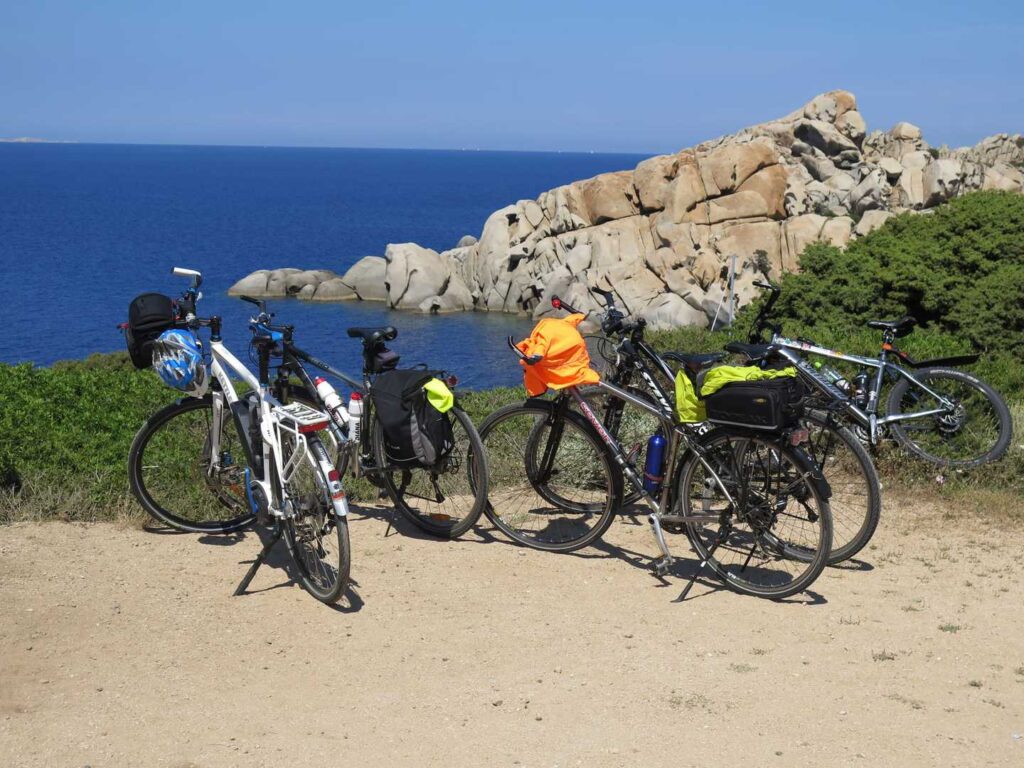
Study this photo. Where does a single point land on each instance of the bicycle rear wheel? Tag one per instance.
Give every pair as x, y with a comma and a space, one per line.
317, 538
856, 500
553, 485
444, 500
976, 431
172, 472
769, 531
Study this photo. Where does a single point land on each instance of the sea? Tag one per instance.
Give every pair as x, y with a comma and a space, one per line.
86, 227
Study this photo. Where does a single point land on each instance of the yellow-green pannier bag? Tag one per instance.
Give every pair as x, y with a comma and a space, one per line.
742, 395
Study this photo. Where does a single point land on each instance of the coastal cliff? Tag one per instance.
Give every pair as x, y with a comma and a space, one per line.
663, 234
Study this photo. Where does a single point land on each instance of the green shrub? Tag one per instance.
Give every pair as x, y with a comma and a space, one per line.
957, 269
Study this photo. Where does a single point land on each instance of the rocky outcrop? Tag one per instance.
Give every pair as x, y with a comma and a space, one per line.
663, 235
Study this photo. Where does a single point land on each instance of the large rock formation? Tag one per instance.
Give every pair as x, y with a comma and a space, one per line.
663, 235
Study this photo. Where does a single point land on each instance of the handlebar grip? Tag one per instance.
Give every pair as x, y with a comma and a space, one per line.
608, 296
530, 359
557, 303
767, 286
183, 272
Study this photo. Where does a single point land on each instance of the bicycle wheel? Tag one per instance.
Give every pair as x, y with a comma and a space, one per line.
631, 426
171, 473
317, 538
553, 485
977, 430
444, 500
856, 500
773, 537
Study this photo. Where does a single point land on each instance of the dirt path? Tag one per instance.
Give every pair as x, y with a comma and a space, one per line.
121, 647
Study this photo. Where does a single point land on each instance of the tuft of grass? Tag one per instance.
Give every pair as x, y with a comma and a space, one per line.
883, 656
974, 683
951, 628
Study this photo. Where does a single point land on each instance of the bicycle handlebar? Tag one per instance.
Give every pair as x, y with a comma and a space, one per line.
761, 321
557, 303
529, 359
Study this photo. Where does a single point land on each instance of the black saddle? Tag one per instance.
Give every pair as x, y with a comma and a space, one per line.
371, 336
695, 361
749, 351
900, 327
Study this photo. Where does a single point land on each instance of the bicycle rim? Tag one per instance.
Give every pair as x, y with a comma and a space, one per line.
773, 539
172, 475
556, 495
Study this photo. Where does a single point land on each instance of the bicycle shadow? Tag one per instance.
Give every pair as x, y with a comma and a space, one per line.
686, 569
279, 560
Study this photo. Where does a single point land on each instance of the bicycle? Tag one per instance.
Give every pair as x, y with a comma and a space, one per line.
754, 507
836, 451
282, 476
445, 499
945, 416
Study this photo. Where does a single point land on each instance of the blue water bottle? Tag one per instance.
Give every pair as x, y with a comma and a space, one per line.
653, 464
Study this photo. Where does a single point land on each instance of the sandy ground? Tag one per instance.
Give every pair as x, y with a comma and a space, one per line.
121, 647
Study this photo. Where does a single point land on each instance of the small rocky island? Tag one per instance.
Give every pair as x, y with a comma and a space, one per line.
663, 234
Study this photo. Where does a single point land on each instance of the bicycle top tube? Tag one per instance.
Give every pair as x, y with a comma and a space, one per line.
302, 355
814, 349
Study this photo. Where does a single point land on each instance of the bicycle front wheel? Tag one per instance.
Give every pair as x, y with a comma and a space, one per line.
316, 537
856, 500
977, 428
181, 478
444, 500
765, 528
553, 485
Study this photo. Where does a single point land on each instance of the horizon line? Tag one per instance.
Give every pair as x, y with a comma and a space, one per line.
30, 141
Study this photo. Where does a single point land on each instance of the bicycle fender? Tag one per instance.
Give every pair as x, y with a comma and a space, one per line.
811, 471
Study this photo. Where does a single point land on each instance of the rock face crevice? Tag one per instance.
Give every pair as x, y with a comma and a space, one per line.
662, 235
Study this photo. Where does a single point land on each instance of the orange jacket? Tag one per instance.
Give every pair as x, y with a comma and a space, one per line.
566, 362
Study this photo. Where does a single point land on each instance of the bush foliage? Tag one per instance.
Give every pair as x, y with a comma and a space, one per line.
958, 270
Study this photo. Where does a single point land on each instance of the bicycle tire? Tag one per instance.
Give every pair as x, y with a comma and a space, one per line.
313, 526
435, 515
182, 470
910, 436
808, 550
856, 500
513, 491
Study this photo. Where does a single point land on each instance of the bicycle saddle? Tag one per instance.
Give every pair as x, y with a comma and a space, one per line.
900, 327
371, 336
695, 361
750, 351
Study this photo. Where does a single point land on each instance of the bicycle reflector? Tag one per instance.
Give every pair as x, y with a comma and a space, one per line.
799, 436
556, 302
451, 380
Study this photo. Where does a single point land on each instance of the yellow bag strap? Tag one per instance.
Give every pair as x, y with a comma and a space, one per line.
439, 396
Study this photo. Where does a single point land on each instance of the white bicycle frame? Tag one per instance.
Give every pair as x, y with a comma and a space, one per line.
274, 422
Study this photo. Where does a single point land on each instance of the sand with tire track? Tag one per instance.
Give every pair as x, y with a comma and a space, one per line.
125, 647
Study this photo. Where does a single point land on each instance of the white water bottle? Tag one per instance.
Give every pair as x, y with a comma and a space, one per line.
355, 414
335, 407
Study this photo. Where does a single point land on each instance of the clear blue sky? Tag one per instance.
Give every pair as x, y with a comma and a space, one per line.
600, 75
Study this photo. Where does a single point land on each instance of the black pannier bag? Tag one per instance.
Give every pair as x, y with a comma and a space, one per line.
149, 315
416, 434
769, 404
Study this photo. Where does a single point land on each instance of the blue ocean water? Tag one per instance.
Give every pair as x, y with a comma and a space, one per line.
86, 227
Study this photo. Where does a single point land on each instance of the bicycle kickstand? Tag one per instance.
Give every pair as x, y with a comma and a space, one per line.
260, 558
696, 573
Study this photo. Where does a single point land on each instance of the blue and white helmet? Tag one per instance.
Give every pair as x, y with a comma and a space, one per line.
178, 358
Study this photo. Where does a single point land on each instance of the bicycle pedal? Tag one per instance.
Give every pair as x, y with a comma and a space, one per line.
662, 566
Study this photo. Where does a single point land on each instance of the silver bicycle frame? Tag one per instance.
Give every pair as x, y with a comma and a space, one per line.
790, 349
